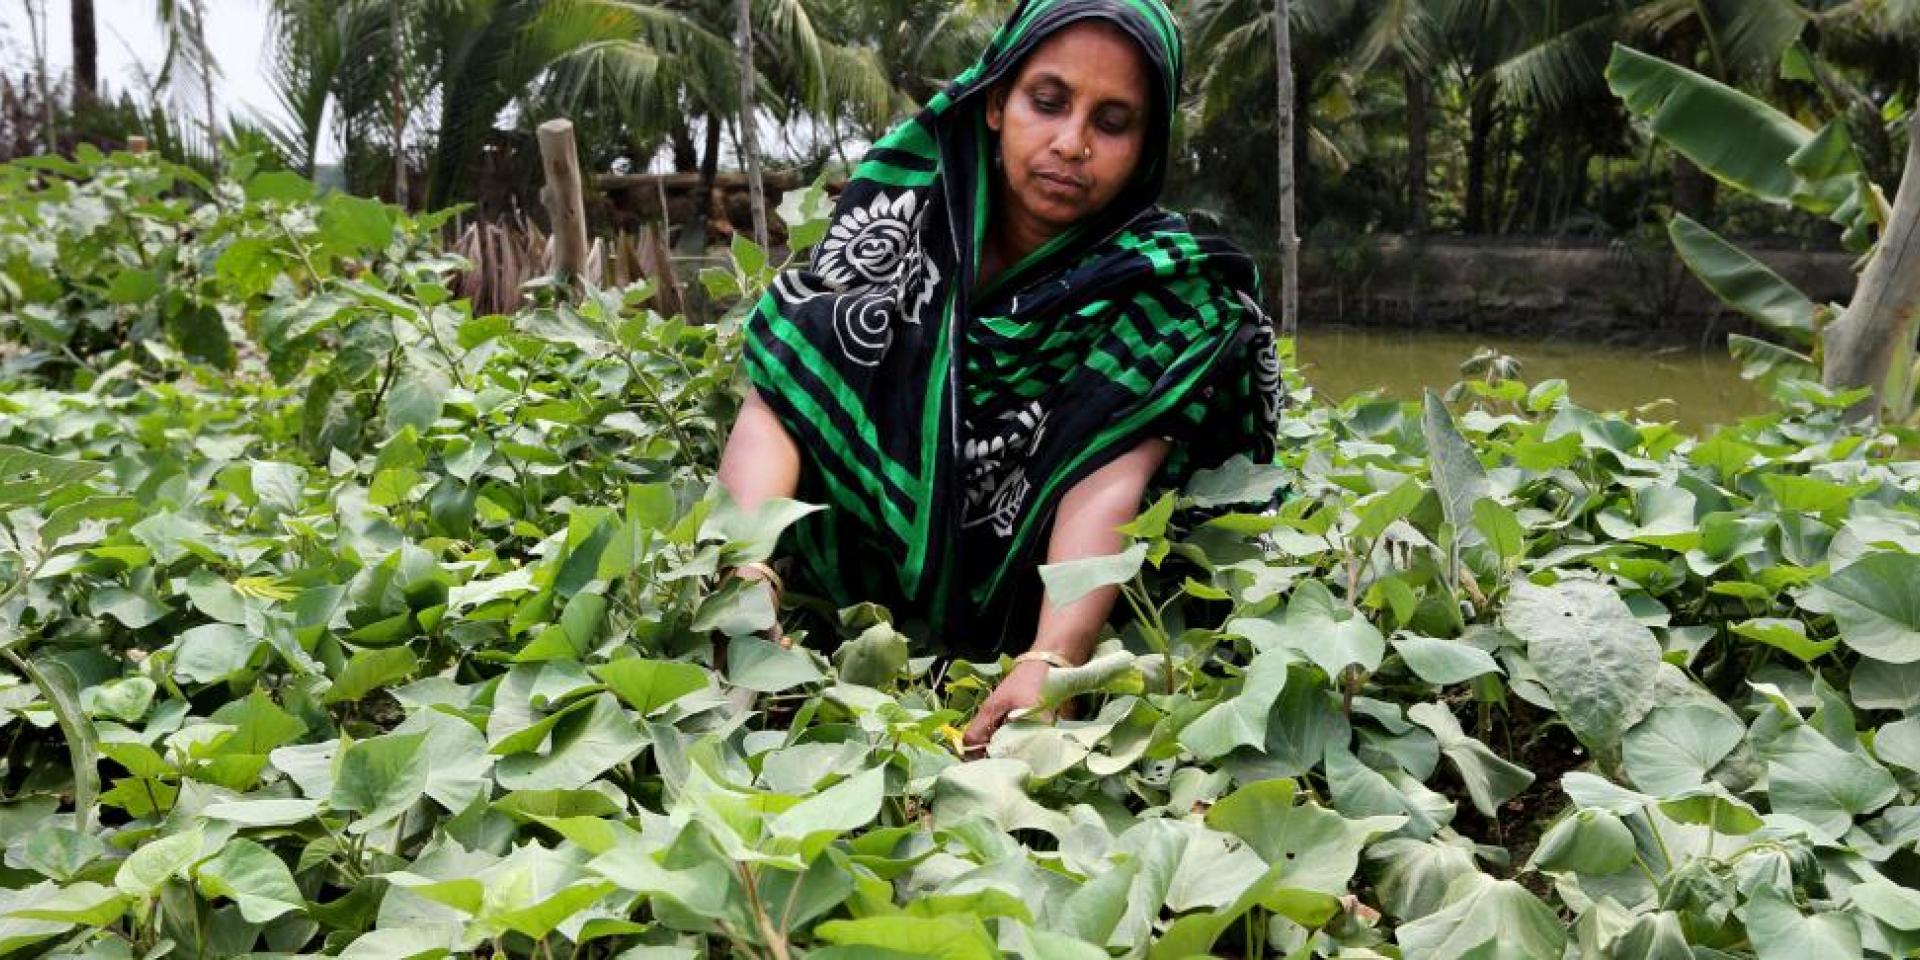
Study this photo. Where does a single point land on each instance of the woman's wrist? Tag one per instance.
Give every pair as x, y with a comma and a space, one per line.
759, 570
762, 571
1052, 658
1060, 638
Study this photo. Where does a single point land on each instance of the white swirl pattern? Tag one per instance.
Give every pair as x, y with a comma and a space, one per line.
864, 324
797, 287
919, 278
867, 244
995, 478
1266, 363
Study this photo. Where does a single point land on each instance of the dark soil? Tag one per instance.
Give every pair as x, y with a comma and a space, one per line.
1533, 739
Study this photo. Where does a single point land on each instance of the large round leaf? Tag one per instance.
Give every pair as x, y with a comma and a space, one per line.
1595, 658
1875, 603
1674, 747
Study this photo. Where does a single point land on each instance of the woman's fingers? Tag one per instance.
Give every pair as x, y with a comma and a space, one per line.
985, 722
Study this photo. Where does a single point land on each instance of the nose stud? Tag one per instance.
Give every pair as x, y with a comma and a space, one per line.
1086, 152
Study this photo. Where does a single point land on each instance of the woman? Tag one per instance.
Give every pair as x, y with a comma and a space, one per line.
1002, 344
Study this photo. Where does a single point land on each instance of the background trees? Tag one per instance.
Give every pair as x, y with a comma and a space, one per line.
1421, 116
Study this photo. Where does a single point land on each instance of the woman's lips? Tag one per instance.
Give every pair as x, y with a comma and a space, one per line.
1059, 183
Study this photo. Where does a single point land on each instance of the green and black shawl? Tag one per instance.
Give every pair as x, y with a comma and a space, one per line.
941, 423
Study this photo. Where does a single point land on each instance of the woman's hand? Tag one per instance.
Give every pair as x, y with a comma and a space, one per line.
1085, 526
1018, 690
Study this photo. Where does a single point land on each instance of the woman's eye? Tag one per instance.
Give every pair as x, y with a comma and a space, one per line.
1048, 104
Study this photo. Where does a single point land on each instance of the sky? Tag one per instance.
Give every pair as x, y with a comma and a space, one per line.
130, 39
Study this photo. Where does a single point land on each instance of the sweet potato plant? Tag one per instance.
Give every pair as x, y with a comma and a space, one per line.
338, 620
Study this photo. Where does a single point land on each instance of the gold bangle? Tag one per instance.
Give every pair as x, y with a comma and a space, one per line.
766, 573
1047, 657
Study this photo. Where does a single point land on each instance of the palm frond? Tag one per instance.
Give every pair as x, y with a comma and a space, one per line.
1756, 33
1403, 30
1558, 69
857, 85
1234, 60
188, 69
629, 74
789, 40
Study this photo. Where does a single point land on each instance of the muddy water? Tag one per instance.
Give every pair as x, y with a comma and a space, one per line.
1699, 386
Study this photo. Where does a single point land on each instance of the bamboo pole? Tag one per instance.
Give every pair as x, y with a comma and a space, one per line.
566, 204
1289, 233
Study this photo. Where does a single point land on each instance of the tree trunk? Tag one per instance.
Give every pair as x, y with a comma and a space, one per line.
697, 231
1416, 152
1871, 345
37, 26
1528, 191
396, 42
1304, 72
86, 54
1480, 117
1576, 195
1289, 233
749, 137
206, 86
1692, 188
686, 156
1502, 195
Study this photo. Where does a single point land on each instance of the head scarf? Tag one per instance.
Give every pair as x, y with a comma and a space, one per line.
942, 424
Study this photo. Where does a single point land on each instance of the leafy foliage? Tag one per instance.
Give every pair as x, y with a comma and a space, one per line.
390, 633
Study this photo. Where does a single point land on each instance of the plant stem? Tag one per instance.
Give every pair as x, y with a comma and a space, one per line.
380, 392
453, 365
301, 249
80, 750
673, 421
776, 940
14, 588
1156, 631
793, 895
1660, 841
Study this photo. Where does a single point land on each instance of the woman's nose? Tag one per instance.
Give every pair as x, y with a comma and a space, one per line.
1070, 143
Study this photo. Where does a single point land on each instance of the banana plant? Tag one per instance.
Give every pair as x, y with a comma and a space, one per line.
1764, 153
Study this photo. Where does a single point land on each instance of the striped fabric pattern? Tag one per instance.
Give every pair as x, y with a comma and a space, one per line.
941, 423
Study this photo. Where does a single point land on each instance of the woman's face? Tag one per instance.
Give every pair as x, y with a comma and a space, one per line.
1072, 125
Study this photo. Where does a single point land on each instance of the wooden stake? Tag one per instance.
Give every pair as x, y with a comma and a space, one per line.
566, 204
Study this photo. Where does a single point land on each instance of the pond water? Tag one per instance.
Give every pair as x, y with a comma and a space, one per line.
1699, 387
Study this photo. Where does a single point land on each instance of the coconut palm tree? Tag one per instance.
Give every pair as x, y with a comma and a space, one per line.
189, 70
37, 31
1234, 47
661, 76
1289, 230
452, 71
745, 120
1548, 59
320, 59
1403, 35
914, 46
